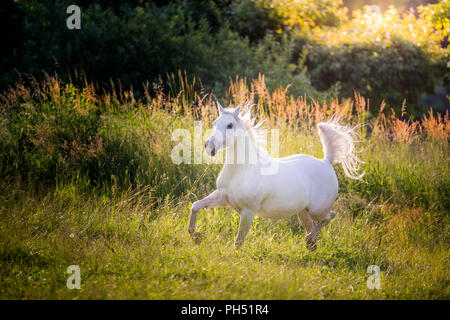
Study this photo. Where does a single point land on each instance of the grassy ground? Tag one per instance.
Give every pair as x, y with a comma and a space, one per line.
128, 231
126, 250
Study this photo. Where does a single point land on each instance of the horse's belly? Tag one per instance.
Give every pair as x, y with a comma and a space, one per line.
275, 214
281, 208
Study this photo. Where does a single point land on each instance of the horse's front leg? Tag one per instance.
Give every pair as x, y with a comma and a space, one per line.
215, 199
246, 219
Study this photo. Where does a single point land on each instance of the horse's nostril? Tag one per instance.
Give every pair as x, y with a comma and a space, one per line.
211, 146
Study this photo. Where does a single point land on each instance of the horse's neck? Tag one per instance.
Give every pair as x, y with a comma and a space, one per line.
252, 158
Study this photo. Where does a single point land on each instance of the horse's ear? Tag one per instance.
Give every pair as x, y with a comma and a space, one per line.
220, 108
237, 111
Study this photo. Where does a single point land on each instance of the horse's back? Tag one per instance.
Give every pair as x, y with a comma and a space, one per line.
321, 181
300, 182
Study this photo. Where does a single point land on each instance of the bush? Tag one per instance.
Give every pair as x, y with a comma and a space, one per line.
108, 46
141, 43
394, 73
253, 18
388, 57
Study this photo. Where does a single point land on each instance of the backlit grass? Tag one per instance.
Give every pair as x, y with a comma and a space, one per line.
93, 185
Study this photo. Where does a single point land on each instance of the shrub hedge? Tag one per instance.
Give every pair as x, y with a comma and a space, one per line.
136, 41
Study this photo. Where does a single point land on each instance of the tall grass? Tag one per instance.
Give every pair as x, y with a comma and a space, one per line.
87, 179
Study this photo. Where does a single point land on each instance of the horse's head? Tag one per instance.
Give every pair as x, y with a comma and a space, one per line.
225, 128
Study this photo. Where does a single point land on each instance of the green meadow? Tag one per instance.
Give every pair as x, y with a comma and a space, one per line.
88, 180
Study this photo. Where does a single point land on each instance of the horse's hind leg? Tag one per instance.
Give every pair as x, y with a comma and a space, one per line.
311, 237
305, 220
308, 223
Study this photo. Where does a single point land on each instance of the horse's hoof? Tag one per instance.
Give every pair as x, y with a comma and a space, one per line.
310, 243
197, 237
332, 214
311, 246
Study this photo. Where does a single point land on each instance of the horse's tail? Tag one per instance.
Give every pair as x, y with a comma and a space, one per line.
338, 146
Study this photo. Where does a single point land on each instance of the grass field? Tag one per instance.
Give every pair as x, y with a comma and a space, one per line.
87, 180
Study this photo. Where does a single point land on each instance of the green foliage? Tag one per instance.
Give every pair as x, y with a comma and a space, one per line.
253, 19
391, 73
439, 15
388, 57
145, 42
298, 15
108, 46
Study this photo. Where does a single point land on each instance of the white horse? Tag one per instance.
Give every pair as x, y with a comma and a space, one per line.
300, 184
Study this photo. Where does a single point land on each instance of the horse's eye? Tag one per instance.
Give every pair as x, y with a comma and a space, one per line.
230, 126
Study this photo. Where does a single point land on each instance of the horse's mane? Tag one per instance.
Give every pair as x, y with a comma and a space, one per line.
248, 120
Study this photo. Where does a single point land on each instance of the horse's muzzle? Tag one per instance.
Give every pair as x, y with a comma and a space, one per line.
210, 148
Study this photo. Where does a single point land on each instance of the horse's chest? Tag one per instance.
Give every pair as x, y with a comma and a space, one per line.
241, 194
244, 199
